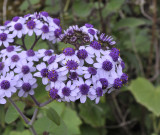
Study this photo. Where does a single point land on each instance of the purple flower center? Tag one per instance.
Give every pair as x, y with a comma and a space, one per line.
1, 65
104, 83
27, 15
53, 76
5, 84
96, 45
124, 78
7, 22
117, 83
57, 32
122, 65
53, 93
66, 91
25, 69
84, 89
92, 70
18, 26
31, 24
10, 48
114, 54
15, 19
99, 91
44, 72
107, 65
56, 21
30, 53
70, 32
89, 25
3, 36
45, 29
86, 38
44, 13
82, 54
48, 53
26, 87
15, 58
51, 60
91, 31
68, 51
71, 65
73, 76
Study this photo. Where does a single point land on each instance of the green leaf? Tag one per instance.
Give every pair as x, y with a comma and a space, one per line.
112, 6
53, 116
77, 8
2, 115
146, 94
25, 132
130, 22
92, 114
25, 4
45, 124
12, 114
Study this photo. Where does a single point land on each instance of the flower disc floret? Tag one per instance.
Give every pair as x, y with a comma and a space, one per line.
45, 29
104, 82
26, 87
99, 91
51, 60
48, 53
82, 54
31, 24
18, 26
66, 91
96, 45
44, 72
107, 65
15, 58
3, 36
114, 54
92, 71
57, 33
30, 53
5, 84
68, 51
10, 48
117, 83
53, 93
56, 21
25, 69
91, 31
71, 65
84, 89
89, 25
124, 78
73, 76
53, 76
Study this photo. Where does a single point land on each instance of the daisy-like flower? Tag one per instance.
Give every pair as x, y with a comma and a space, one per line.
83, 89
108, 39
30, 55
5, 38
18, 28
105, 66
8, 84
43, 72
3, 68
70, 66
27, 87
95, 48
46, 54
55, 78
8, 51
83, 55
68, 92
92, 32
2, 99
33, 25
90, 72
14, 60
25, 69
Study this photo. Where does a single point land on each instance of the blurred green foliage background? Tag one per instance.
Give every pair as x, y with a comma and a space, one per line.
133, 110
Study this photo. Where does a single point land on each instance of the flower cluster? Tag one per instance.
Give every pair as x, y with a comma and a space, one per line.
88, 70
